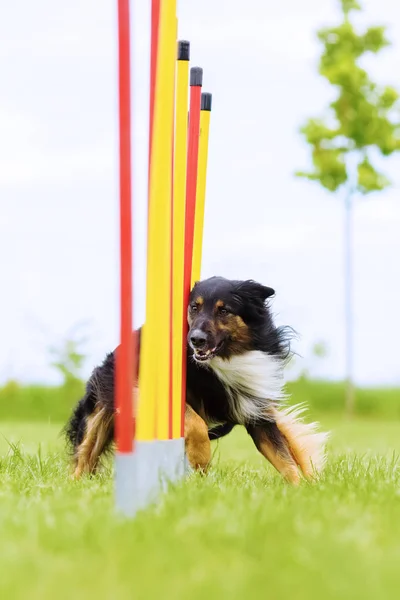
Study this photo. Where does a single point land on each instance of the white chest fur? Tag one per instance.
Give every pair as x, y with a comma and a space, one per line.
253, 381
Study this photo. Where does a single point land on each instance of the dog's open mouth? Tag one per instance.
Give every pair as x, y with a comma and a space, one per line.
205, 355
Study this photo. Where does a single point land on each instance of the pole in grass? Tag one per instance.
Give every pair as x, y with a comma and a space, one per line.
146, 417
156, 455
125, 355
178, 252
171, 451
196, 81
205, 115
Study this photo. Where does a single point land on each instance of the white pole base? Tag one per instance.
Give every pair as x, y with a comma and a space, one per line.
125, 483
141, 477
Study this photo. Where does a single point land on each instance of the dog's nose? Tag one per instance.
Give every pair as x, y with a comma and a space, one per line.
198, 338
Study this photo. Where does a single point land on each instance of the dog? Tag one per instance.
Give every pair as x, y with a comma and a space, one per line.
235, 362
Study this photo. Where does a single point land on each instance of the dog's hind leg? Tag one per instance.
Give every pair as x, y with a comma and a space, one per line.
90, 428
97, 436
274, 446
306, 443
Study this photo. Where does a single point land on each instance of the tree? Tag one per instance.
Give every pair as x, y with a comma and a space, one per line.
361, 122
68, 358
68, 361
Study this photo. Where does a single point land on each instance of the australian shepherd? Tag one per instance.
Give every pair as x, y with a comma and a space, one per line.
235, 362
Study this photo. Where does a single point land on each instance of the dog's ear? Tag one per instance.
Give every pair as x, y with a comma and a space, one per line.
252, 290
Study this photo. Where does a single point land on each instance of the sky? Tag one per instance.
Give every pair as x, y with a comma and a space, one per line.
59, 179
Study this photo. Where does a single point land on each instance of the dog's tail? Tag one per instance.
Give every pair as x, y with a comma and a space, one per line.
306, 443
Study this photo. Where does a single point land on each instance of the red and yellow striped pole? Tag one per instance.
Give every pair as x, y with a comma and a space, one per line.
178, 154
205, 114
196, 81
146, 410
155, 354
161, 182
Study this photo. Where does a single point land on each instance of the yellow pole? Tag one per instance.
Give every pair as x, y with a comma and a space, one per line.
180, 153
153, 407
205, 114
162, 184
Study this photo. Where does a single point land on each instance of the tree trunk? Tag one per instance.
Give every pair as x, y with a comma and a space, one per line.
348, 284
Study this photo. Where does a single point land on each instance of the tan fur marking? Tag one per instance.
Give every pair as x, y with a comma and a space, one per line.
241, 332
284, 464
305, 442
238, 332
199, 301
197, 443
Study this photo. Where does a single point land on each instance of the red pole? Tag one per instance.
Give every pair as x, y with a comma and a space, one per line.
196, 80
125, 359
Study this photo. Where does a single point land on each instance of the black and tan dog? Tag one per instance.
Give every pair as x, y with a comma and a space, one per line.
235, 361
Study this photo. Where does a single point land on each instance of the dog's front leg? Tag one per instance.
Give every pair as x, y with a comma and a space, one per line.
197, 442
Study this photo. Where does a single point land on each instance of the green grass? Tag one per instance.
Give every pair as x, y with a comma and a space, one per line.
238, 533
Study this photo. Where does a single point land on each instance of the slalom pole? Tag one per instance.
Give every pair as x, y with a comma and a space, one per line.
196, 81
205, 115
155, 454
146, 417
126, 353
179, 200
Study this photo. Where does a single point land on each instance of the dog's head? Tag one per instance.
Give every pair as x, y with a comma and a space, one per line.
222, 314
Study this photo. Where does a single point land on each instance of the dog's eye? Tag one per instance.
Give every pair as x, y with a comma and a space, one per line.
223, 310
194, 307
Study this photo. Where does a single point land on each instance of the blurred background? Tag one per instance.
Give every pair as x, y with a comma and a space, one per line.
59, 189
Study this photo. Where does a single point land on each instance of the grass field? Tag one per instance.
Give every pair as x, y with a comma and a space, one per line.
239, 533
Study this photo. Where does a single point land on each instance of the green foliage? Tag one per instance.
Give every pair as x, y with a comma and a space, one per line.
35, 403
349, 5
68, 361
38, 402
368, 178
362, 116
328, 397
320, 350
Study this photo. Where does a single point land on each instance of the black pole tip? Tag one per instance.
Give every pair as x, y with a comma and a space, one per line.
196, 76
206, 101
183, 50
